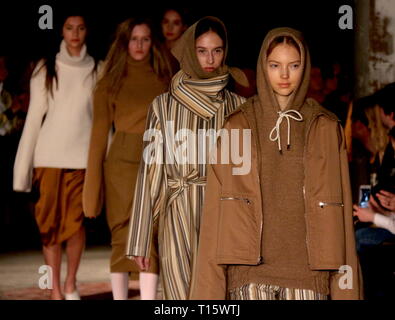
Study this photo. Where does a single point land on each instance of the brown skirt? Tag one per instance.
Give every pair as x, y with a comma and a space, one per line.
58, 211
120, 174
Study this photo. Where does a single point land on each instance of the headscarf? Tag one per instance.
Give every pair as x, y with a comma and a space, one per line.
198, 90
185, 52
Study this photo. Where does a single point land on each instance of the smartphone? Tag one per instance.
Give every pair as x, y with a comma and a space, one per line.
364, 195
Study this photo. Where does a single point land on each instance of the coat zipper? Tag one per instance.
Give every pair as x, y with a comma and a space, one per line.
325, 204
246, 200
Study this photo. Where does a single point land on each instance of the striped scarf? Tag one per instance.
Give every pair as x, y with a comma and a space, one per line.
203, 97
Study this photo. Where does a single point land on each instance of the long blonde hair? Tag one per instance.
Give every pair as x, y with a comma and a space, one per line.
115, 64
378, 133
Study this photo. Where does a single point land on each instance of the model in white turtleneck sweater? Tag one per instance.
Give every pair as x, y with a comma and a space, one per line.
62, 139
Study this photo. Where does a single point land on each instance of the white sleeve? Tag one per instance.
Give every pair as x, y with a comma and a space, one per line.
38, 105
385, 222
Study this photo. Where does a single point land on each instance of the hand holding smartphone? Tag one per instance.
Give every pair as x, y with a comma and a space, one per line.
364, 195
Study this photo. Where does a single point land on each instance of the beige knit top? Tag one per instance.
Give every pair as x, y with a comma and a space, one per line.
125, 112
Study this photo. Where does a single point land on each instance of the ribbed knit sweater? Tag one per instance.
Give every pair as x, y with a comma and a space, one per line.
57, 128
126, 112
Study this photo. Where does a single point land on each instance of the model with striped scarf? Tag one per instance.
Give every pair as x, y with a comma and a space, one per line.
170, 192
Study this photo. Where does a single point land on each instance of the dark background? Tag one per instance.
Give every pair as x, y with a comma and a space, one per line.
247, 22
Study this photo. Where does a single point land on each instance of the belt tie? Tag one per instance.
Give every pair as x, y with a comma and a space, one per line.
179, 184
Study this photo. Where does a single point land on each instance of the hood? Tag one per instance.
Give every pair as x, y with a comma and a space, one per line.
265, 92
185, 53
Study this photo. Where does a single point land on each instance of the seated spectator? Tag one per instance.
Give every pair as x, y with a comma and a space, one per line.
378, 269
384, 185
381, 218
386, 167
361, 148
377, 260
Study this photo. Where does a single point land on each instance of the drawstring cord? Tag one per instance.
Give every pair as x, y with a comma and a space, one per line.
275, 133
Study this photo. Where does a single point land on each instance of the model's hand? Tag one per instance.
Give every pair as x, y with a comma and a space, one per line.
363, 214
142, 262
387, 200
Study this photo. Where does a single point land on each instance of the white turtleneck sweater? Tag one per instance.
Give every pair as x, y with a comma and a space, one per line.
62, 139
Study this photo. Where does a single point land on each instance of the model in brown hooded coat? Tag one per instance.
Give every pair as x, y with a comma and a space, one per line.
285, 229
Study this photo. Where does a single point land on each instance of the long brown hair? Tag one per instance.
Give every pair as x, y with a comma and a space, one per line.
115, 65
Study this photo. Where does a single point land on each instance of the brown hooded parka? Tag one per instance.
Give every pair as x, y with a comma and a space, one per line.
288, 221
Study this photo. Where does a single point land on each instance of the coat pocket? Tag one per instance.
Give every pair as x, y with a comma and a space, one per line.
237, 230
325, 232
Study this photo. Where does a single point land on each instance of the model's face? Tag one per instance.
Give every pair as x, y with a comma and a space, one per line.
284, 69
172, 25
209, 51
140, 42
74, 32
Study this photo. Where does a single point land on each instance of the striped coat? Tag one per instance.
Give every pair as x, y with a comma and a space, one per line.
171, 181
